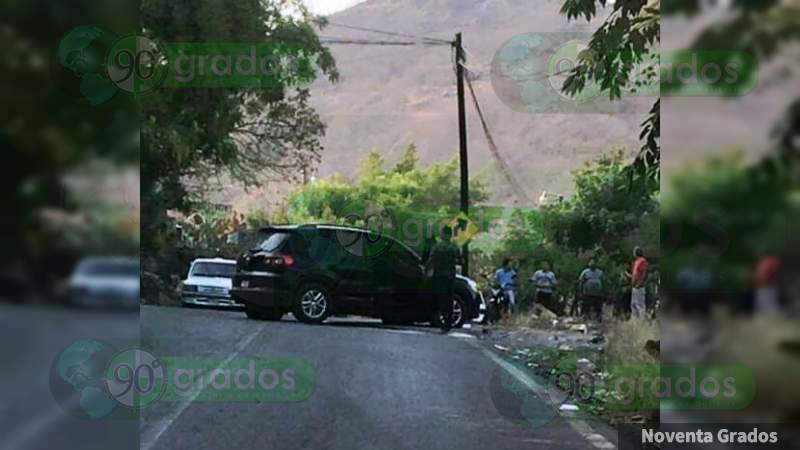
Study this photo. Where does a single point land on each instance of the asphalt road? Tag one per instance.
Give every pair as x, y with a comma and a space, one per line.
31, 338
376, 387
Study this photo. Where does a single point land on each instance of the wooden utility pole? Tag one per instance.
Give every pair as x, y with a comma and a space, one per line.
462, 136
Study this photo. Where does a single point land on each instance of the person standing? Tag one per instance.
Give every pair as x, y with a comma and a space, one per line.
544, 281
638, 276
767, 292
590, 283
506, 277
622, 298
443, 260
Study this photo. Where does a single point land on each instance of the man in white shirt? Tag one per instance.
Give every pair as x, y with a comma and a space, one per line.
544, 280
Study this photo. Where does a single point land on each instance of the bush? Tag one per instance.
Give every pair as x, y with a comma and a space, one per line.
414, 201
610, 212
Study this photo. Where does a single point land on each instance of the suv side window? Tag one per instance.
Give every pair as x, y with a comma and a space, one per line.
323, 247
400, 261
403, 256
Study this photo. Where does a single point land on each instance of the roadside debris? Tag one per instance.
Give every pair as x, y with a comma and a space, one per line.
579, 327
584, 365
544, 313
574, 346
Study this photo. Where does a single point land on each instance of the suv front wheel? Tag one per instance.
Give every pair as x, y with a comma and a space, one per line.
313, 303
459, 313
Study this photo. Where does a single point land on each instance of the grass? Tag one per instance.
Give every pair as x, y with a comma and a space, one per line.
524, 320
627, 339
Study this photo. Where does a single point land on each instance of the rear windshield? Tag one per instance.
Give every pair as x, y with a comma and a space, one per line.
209, 269
270, 241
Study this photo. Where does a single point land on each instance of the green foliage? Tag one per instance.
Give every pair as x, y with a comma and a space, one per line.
46, 127
730, 213
247, 133
101, 230
605, 209
630, 36
604, 219
409, 160
415, 200
207, 231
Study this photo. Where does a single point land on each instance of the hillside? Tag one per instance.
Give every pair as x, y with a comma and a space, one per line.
389, 95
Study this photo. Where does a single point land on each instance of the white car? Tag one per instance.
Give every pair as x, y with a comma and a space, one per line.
104, 282
209, 283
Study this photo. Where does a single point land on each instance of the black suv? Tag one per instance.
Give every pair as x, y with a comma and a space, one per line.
314, 271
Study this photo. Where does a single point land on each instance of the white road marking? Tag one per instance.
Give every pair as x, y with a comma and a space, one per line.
455, 334
147, 442
585, 430
401, 331
461, 335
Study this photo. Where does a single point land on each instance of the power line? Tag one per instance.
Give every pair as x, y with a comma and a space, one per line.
533, 76
389, 33
344, 40
518, 190
471, 56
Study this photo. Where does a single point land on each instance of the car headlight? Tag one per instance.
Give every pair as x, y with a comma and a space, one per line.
189, 288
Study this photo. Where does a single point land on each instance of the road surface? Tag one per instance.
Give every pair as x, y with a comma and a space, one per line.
31, 338
376, 387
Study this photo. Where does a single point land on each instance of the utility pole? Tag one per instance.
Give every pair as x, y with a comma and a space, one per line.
462, 136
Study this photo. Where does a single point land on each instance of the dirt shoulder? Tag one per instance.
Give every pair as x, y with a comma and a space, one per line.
571, 356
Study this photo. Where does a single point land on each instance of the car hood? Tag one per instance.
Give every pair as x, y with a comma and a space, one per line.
473, 285
208, 281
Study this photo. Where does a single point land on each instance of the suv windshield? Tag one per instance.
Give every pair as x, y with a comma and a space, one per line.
207, 269
269, 242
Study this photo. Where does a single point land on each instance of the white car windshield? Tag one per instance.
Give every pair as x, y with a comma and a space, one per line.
209, 269
109, 268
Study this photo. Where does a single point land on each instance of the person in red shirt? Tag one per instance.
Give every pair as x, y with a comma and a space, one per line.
638, 276
767, 278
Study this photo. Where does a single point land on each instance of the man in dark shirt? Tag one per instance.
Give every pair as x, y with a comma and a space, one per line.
443, 261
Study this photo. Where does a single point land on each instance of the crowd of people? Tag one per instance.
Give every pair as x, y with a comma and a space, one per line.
698, 286
591, 293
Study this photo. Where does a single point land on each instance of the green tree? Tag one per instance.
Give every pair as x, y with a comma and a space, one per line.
408, 162
416, 199
604, 210
46, 127
372, 166
247, 133
629, 36
726, 208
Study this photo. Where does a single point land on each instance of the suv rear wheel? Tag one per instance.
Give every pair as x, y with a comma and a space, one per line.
313, 303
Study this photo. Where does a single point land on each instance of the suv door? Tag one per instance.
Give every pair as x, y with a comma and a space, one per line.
404, 278
355, 284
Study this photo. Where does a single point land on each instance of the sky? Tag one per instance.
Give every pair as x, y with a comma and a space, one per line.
330, 6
